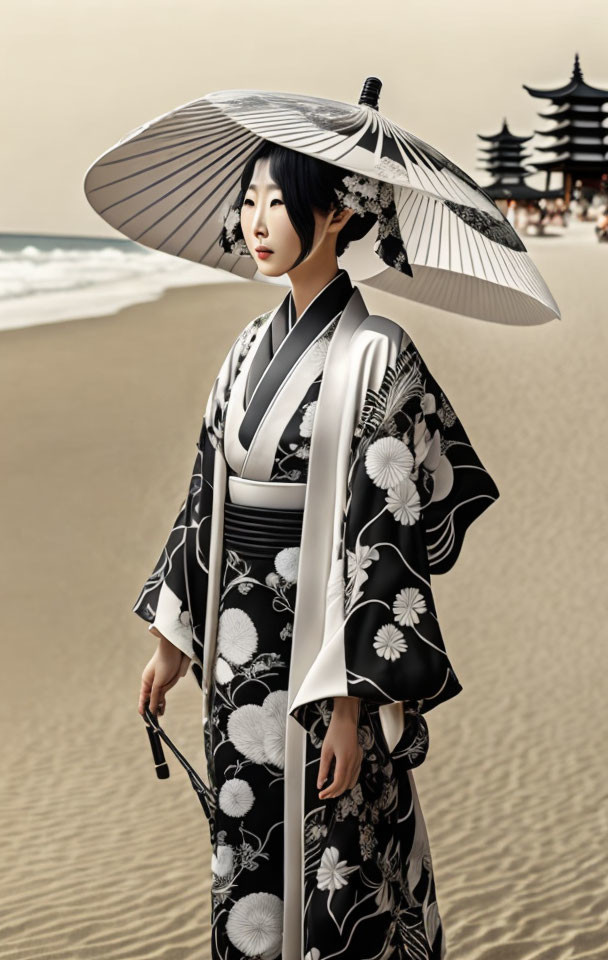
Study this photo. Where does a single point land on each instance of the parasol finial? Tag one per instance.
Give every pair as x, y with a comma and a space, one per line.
371, 92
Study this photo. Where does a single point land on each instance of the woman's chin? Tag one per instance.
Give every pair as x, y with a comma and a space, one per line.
269, 269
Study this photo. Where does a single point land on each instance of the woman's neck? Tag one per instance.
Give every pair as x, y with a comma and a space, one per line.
306, 287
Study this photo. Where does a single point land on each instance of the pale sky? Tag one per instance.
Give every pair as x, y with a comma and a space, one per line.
79, 74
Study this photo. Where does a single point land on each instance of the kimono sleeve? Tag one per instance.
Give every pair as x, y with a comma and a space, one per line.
415, 486
164, 600
174, 596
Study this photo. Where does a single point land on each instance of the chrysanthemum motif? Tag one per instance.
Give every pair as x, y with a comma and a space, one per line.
313, 954
307, 419
237, 637
407, 606
389, 642
388, 461
222, 860
403, 501
235, 797
332, 872
255, 925
223, 671
274, 709
185, 619
246, 730
286, 563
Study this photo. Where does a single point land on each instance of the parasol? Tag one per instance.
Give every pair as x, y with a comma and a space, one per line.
168, 183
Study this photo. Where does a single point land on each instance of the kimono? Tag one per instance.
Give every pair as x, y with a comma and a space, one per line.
337, 414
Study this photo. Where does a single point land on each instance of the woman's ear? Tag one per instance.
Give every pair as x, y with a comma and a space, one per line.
339, 219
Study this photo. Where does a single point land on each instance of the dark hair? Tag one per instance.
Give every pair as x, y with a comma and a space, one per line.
305, 182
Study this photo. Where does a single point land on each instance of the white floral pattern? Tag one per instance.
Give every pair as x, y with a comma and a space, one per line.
333, 872
286, 563
308, 419
389, 642
408, 605
237, 637
246, 730
275, 720
318, 353
236, 797
223, 671
388, 462
258, 731
358, 560
222, 860
255, 924
403, 501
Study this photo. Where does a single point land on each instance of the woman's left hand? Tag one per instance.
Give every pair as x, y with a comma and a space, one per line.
341, 741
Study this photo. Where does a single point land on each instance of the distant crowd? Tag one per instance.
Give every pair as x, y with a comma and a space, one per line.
535, 216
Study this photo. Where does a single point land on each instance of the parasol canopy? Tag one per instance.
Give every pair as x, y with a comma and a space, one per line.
169, 183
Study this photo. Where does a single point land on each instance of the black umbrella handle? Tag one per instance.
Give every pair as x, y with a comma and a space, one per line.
160, 764
155, 734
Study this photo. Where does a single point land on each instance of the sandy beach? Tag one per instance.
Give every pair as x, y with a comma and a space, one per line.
100, 418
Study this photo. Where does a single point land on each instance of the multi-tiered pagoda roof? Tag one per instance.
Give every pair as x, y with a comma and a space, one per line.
578, 133
504, 161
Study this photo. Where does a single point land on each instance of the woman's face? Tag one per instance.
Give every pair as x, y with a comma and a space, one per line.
265, 223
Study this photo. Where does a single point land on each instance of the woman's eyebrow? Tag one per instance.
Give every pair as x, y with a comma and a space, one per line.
273, 186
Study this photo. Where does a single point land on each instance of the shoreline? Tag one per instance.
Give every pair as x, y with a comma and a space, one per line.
94, 301
106, 300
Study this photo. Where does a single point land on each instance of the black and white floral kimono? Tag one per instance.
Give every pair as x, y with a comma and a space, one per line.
338, 416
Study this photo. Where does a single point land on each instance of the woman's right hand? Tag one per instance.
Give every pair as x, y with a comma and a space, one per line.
167, 664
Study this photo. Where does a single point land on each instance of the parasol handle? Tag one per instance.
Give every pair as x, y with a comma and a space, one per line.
160, 764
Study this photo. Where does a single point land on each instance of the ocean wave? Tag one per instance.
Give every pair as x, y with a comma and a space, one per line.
52, 278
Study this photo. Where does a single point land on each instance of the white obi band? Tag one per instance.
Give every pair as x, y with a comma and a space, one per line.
266, 493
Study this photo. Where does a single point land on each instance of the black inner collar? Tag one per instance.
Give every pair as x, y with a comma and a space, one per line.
271, 365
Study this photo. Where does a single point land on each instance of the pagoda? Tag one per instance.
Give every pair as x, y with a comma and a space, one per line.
504, 161
579, 134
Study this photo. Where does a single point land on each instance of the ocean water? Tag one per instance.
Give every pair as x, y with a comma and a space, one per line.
45, 278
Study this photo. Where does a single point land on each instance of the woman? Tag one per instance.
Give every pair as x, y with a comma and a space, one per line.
330, 470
